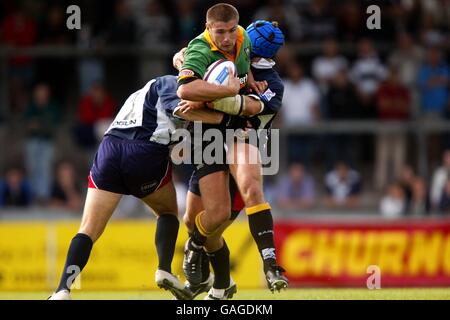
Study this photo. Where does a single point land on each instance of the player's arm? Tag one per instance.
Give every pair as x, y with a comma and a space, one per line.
200, 90
192, 64
240, 105
212, 117
203, 115
269, 101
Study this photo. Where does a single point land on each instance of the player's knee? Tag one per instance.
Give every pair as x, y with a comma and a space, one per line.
218, 216
189, 222
252, 194
222, 217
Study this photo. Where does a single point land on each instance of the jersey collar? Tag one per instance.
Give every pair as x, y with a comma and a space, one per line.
239, 42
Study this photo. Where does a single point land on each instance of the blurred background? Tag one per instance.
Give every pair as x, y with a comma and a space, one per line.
364, 139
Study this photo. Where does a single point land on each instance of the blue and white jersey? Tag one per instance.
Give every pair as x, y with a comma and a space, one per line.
272, 97
147, 113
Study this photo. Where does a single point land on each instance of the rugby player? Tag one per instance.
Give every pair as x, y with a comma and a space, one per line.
266, 39
133, 158
222, 39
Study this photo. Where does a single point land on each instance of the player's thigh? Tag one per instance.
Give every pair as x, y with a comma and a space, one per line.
98, 208
194, 206
214, 191
163, 200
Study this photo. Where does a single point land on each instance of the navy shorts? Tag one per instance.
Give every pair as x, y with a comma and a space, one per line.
133, 167
237, 204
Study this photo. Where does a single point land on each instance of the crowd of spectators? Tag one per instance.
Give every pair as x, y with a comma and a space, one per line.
395, 74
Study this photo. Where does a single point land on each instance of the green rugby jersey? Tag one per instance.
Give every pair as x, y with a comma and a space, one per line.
202, 52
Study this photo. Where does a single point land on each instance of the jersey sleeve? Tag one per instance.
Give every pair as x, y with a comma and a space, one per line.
273, 97
166, 88
196, 62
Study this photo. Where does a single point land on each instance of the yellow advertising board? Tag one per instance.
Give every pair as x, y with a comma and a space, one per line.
32, 256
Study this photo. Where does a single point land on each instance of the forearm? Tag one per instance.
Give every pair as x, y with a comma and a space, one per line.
199, 90
239, 105
204, 115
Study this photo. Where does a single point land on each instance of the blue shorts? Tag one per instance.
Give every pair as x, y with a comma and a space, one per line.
237, 204
133, 167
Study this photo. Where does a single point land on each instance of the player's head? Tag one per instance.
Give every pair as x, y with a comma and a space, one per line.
222, 24
266, 38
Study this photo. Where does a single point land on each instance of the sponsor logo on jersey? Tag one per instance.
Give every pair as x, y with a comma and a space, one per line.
268, 95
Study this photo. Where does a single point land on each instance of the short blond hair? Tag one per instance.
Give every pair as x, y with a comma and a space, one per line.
222, 12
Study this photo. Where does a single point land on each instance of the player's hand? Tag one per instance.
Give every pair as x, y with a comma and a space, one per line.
234, 84
258, 87
178, 59
186, 105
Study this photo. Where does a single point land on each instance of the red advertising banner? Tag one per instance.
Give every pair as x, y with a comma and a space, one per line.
335, 253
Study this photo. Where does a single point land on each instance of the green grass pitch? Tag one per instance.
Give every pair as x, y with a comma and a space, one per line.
259, 294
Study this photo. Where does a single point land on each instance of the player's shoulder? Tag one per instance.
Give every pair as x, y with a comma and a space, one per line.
199, 43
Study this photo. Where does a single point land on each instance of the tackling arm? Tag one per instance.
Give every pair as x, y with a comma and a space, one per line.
240, 105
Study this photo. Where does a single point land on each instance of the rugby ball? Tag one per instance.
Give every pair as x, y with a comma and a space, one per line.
217, 73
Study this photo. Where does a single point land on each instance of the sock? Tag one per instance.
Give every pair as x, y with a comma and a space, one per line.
77, 257
220, 263
205, 267
165, 240
261, 227
199, 234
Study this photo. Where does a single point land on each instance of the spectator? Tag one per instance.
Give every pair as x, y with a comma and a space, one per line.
94, 110
300, 106
444, 205
53, 29
440, 177
319, 21
420, 202
122, 30
343, 187
433, 81
341, 104
392, 205
296, 190
286, 15
15, 191
329, 64
406, 179
66, 193
20, 31
407, 58
53, 32
351, 21
186, 22
41, 118
154, 27
367, 73
393, 104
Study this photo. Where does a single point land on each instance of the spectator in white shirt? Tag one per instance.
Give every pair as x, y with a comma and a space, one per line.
329, 64
367, 73
301, 98
300, 106
393, 204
